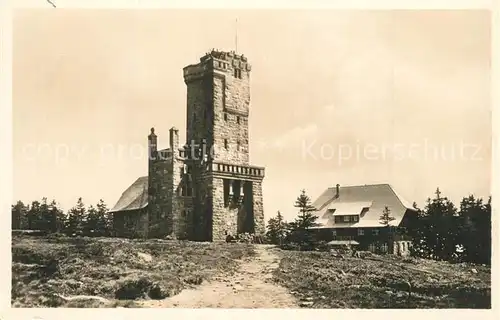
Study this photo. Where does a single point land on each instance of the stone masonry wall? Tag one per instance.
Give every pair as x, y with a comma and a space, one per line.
131, 224
175, 185
160, 205
201, 228
228, 126
258, 208
199, 110
224, 219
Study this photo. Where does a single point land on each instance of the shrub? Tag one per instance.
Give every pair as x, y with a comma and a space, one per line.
139, 288
245, 237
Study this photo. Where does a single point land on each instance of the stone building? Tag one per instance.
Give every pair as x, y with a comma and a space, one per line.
351, 215
206, 187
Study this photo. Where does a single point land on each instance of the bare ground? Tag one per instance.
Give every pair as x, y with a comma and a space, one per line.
250, 287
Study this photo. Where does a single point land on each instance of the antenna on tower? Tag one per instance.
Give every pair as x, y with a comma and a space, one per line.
236, 37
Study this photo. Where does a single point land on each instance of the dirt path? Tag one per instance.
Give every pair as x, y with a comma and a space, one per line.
249, 287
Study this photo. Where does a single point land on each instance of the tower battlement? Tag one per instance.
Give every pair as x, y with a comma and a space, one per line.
217, 60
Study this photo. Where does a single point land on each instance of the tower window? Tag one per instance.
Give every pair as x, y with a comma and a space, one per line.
238, 120
237, 73
238, 146
225, 144
225, 116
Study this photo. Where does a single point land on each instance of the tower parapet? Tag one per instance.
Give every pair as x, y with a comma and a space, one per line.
215, 60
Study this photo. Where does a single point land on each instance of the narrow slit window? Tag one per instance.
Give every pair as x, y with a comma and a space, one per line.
237, 73
226, 144
238, 120
225, 116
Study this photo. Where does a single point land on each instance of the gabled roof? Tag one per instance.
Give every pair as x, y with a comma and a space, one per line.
368, 201
135, 197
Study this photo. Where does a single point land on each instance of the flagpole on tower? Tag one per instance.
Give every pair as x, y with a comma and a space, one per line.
236, 37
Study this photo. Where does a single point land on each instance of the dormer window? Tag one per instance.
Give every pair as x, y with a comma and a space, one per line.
346, 219
355, 218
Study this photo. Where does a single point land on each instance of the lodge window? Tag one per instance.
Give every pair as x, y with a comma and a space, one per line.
226, 144
384, 247
334, 232
375, 232
361, 232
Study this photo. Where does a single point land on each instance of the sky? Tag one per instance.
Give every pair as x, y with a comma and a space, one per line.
347, 97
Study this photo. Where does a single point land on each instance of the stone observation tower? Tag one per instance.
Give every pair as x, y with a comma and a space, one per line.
206, 188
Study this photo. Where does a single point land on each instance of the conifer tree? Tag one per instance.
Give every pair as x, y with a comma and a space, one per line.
475, 230
277, 229
46, 219
76, 218
33, 216
299, 228
386, 218
438, 237
91, 222
105, 221
19, 216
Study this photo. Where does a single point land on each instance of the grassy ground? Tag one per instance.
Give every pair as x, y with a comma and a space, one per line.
50, 271
322, 281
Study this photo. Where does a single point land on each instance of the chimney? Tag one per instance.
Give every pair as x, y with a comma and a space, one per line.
174, 141
338, 191
152, 145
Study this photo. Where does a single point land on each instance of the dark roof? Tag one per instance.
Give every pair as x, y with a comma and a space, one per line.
135, 197
367, 200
